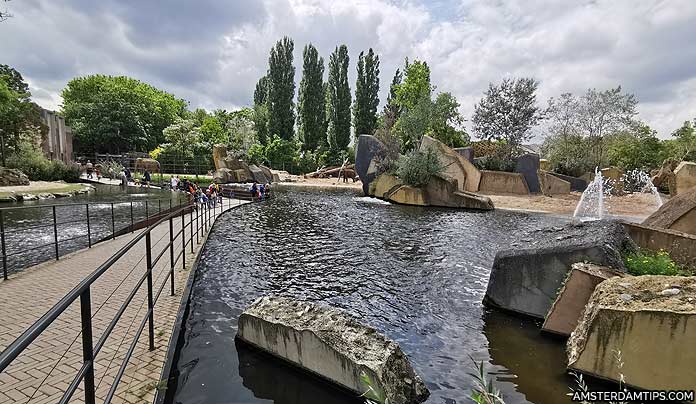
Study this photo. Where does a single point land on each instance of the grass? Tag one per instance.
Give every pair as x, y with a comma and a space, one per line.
646, 262
40, 190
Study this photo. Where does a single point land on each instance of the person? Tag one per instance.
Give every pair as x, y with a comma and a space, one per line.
268, 190
174, 183
124, 179
146, 178
89, 168
254, 190
129, 176
262, 191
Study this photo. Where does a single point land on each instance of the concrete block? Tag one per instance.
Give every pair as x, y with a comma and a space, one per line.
219, 156
443, 191
331, 344
544, 164
466, 152
456, 165
576, 184
678, 213
408, 195
651, 321
528, 165
384, 184
685, 174
367, 151
570, 303
257, 174
500, 182
552, 185
527, 278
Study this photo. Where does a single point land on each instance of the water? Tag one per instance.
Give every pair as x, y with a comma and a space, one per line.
418, 275
640, 181
29, 235
592, 204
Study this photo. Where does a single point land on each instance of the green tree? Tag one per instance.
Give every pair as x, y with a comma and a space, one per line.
338, 100
114, 114
415, 86
20, 118
212, 133
260, 119
242, 133
311, 110
507, 112
281, 90
181, 136
392, 110
261, 91
414, 123
366, 94
446, 122
635, 148
683, 144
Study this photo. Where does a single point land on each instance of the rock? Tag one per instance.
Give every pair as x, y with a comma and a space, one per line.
267, 173
570, 303
8, 198
12, 177
456, 165
332, 344
576, 184
276, 177
466, 152
222, 175
443, 191
383, 185
678, 213
257, 174
552, 185
62, 194
664, 178
368, 152
685, 174
219, 156
408, 195
653, 333
242, 175
528, 165
27, 197
526, 279
46, 196
499, 182
151, 165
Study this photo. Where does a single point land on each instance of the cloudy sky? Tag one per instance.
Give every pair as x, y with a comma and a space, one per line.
211, 52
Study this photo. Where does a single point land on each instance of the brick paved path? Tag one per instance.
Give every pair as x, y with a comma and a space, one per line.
44, 370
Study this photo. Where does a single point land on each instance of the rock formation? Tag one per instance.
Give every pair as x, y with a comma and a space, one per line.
332, 344
528, 165
526, 278
456, 165
12, 177
665, 178
650, 321
685, 177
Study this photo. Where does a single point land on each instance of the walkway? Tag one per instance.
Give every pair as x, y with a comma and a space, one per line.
43, 371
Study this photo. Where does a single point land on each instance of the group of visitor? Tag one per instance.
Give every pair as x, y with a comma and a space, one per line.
260, 191
209, 196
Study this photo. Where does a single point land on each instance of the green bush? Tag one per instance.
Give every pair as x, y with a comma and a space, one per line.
495, 163
38, 168
111, 169
418, 167
647, 262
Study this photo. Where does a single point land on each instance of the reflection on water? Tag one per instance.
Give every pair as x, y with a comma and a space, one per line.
417, 275
29, 233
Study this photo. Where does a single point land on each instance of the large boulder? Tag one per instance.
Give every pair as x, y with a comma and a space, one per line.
526, 278
12, 177
664, 178
257, 174
678, 213
219, 156
266, 173
528, 165
151, 165
456, 165
223, 176
570, 303
368, 153
443, 191
685, 177
650, 321
332, 344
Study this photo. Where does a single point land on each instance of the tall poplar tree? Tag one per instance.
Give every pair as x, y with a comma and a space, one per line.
392, 110
281, 90
261, 91
366, 94
311, 110
338, 100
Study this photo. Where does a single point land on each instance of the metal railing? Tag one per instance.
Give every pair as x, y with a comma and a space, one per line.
93, 222
200, 217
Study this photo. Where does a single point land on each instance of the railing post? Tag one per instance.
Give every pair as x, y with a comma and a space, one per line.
2, 241
191, 227
147, 214
183, 240
89, 229
159, 206
55, 231
131, 214
151, 316
113, 223
171, 252
198, 213
87, 348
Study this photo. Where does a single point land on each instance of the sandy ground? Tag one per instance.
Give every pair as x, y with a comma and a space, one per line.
39, 187
634, 206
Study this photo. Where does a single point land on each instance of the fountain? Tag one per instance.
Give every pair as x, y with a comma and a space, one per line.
592, 201
640, 181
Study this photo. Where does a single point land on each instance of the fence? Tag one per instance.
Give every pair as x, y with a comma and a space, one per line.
197, 165
44, 238
199, 216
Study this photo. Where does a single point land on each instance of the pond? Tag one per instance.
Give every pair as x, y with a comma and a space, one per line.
418, 275
28, 226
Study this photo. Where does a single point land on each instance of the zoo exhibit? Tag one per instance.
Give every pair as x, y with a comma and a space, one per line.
348, 242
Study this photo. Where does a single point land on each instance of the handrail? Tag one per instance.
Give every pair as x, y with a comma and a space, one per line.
203, 221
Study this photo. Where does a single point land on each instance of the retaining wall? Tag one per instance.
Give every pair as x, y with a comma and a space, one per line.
500, 182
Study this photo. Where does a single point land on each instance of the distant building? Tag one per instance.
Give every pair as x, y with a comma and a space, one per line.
58, 143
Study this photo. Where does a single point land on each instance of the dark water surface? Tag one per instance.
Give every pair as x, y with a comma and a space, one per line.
418, 275
29, 232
